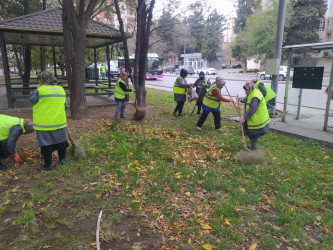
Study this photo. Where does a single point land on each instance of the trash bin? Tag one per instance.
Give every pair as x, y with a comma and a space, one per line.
90, 74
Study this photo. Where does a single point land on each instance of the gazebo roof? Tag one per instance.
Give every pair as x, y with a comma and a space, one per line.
45, 28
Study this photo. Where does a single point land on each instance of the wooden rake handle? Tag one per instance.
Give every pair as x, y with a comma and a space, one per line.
196, 101
239, 114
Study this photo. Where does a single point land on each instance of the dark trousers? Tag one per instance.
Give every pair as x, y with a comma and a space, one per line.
199, 104
46, 152
217, 118
179, 107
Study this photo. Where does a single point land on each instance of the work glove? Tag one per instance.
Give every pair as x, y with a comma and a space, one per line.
16, 157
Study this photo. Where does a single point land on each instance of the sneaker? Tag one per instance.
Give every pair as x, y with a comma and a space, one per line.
122, 116
174, 113
181, 115
220, 130
42, 167
198, 128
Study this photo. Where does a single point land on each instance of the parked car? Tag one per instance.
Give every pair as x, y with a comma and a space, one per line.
282, 74
189, 69
171, 68
224, 66
208, 71
114, 72
237, 66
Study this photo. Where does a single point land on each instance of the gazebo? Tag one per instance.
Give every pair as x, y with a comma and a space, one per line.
45, 28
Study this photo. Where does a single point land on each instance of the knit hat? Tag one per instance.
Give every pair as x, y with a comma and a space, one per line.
48, 78
220, 80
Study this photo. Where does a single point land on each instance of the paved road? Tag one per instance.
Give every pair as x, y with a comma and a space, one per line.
310, 98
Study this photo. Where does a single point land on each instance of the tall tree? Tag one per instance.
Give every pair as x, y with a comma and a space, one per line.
213, 35
76, 18
305, 21
245, 9
144, 22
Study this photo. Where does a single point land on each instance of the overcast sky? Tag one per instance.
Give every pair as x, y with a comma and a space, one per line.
225, 7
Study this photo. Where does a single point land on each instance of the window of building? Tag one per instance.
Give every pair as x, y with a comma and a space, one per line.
322, 25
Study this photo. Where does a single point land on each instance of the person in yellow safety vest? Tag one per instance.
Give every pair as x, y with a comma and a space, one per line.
120, 95
267, 92
256, 117
49, 119
201, 84
103, 71
180, 87
211, 103
10, 130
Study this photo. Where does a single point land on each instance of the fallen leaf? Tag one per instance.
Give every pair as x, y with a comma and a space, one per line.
253, 246
206, 227
306, 203
264, 208
242, 189
44, 247
15, 188
134, 193
189, 241
23, 206
290, 248
226, 221
326, 231
188, 194
93, 244
318, 217
98, 195
7, 202
292, 208
207, 247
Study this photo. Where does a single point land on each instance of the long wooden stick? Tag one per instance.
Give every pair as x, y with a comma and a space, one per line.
239, 114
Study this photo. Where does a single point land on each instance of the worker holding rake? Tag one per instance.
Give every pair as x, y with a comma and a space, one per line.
256, 117
49, 118
211, 103
180, 87
201, 84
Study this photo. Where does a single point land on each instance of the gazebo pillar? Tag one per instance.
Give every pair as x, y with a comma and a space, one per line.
54, 62
6, 69
108, 60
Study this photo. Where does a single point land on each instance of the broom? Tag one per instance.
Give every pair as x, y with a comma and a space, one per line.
78, 151
238, 111
246, 156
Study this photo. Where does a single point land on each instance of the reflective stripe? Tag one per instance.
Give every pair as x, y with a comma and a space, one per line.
253, 126
211, 98
120, 93
41, 96
50, 126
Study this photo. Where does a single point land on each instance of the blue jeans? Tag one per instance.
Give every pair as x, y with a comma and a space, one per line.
120, 108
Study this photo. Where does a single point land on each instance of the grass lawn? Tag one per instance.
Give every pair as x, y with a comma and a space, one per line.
163, 185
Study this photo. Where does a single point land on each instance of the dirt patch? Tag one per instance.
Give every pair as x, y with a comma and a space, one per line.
27, 146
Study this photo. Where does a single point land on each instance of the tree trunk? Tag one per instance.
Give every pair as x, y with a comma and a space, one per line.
27, 54
74, 26
74, 44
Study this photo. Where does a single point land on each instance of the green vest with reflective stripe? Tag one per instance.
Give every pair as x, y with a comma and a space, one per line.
210, 100
119, 93
176, 88
270, 94
6, 122
103, 69
205, 83
260, 118
49, 112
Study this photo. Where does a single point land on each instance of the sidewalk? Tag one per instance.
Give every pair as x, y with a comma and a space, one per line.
309, 126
